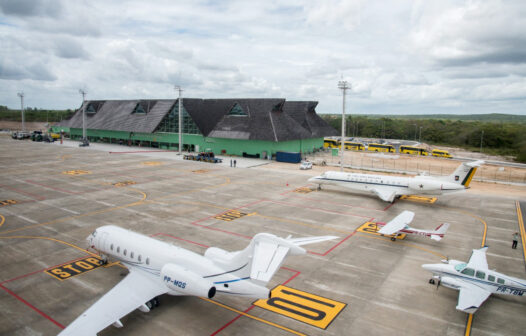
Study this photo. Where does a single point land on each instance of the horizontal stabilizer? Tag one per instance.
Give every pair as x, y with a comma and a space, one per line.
398, 223
270, 252
436, 237
310, 240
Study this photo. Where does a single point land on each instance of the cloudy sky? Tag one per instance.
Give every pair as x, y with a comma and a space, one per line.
399, 56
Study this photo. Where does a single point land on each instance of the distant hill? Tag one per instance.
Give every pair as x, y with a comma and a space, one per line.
492, 117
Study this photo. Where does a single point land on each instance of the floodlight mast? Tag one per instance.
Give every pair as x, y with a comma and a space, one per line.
84, 138
21, 95
180, 100
342, 85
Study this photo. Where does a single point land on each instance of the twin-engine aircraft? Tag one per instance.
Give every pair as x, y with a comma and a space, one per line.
400, 224
388, 187
157, 268
474, 281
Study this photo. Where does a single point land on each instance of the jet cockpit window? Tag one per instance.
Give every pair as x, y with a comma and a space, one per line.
468, 271
460, 267
481, 275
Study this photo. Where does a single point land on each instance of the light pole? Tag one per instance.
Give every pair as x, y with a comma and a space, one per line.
416, 128
342, 85
84, 141
420, 135
180, 100
481, 138
21, 95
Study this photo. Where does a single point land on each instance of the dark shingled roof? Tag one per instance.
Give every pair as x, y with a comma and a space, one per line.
304, 113
270, 119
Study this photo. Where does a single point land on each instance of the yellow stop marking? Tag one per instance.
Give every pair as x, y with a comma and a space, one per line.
303, 190
152, 163
76, 172
419, 199
123, 183
372, 228
302, 306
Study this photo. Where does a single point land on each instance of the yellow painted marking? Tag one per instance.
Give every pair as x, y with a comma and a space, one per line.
69, 270
441, 256
302, 306
303, 190
76, 172
470, 177
200, 171
291, 221
254, 317
51, 239
123, 183
64, 157
419, 199
233, 214
468, 325
152, 163
2, 220
521, 228
372, 228
7, 202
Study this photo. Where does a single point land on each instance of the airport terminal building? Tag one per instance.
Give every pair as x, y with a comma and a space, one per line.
243, 127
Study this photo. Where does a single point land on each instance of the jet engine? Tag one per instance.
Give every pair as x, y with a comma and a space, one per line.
424, 185
186, 282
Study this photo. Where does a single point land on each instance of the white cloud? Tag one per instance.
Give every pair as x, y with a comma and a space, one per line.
404, 56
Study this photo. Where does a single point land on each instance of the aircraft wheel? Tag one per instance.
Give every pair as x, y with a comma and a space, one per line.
150, 304
156, 302
393, 238
432, 281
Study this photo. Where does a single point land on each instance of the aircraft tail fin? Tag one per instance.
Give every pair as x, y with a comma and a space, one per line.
464, 173
260, 260
440, 231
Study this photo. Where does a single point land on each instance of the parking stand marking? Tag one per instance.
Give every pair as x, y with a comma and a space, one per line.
152, 163
372, 228
303, 190
67, 271
123, 183
232, 214
419, 199
76, 172
7, 202
302, 306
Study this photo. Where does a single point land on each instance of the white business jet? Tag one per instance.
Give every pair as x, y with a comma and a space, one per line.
389, 187
157, 267
474, 281
400, 225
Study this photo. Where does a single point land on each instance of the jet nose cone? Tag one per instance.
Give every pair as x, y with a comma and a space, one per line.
428, 267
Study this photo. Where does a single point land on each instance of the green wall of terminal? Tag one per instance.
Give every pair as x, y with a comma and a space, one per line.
194, 142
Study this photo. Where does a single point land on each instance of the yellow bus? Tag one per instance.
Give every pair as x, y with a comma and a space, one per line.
354, 145
331, 143
413, 150
374, 147
441, 153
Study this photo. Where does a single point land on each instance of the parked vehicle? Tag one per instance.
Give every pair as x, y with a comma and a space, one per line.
203, 156
441, 153
291, 157
305, 165
23, 135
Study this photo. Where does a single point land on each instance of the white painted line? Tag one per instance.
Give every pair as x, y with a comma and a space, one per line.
26, 219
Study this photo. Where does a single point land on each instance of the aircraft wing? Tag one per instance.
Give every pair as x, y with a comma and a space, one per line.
471, 297
478, 259
386, 194
131, 293
398, 223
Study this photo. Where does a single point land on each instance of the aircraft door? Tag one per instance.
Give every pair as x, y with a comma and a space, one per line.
103, 241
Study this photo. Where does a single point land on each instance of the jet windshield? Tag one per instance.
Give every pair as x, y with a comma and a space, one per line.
460, 267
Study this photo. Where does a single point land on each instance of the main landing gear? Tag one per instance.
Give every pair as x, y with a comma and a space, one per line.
153, 303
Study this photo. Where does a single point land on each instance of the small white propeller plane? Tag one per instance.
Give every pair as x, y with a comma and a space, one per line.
388, 187
400, 224
474, 281
157, 268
